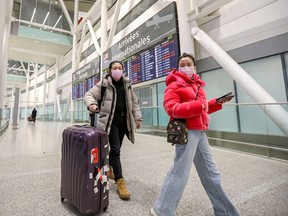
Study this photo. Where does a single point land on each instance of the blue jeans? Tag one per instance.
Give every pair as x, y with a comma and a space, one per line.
198, 151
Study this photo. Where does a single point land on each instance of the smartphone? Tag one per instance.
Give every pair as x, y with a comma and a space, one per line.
227, 96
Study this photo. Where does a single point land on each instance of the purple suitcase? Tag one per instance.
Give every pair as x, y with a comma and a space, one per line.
84, 167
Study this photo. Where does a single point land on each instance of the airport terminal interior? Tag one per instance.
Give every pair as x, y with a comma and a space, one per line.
54, 51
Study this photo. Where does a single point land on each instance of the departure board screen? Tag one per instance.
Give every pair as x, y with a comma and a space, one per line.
79, 89
153, 62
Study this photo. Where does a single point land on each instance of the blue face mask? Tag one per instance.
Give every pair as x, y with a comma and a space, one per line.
188, 71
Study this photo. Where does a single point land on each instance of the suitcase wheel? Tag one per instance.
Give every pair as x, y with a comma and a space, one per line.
62, 199
105, 209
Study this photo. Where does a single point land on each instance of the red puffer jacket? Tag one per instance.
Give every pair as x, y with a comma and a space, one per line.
180, 100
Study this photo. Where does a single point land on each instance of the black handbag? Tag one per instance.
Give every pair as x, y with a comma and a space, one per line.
177, 131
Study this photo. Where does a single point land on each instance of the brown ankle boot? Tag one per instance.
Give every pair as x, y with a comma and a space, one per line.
110, 173
122, 190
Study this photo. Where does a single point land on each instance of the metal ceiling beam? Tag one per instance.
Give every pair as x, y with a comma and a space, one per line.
69, 20
114, 22
40, 25
201, 12
93, 36
93, 14
78, 56
104, 17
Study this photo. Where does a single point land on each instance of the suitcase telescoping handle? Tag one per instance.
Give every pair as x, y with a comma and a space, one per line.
93, 119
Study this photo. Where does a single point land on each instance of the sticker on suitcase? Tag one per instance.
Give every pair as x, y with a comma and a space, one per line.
94, 155
102, 176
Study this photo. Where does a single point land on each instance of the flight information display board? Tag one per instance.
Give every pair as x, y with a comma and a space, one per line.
153, 62
79, 89
85, 78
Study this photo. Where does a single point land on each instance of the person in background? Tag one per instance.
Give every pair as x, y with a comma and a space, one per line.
34, 114
119, 113
185, 98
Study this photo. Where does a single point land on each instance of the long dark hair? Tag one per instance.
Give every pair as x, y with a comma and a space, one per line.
184, 55
111, 64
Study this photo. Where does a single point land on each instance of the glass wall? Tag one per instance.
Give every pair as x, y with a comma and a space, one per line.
145, 100
218, 83
162, 115
49, 113
80, 111
269, 74
248, 117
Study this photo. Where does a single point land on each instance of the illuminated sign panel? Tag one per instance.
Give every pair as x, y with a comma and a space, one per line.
154, 31
154, 62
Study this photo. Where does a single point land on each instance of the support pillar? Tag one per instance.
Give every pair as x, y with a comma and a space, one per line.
16, 108
44, 93
185, 37
5, 24
55, 91
27, 92
35, 84
74, 51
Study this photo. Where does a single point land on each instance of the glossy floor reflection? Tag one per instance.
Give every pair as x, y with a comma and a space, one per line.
30, 177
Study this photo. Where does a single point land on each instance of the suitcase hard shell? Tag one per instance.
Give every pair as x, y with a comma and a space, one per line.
84, 167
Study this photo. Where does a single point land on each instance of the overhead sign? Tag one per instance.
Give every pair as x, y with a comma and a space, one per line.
154, 62
153, 30
88, 70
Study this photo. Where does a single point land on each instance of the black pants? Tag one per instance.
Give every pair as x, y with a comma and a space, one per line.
116, 135
33, 118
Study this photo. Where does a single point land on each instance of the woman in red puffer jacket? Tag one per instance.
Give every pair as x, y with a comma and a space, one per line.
185, 98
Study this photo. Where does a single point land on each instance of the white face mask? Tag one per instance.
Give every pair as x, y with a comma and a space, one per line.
188, 71
116, 74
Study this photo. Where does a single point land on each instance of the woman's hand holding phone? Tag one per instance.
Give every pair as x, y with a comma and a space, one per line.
225, 98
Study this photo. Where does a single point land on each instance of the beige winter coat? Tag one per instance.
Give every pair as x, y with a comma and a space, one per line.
108, 105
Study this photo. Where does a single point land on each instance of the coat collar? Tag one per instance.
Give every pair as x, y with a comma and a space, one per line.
108, 80
181, 79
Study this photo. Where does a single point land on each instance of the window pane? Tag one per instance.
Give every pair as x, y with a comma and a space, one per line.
27, 10
218, 83
146, 101
269, 74
163, 117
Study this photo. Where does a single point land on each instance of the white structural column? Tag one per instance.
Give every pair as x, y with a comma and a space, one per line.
55, 90
80, 47
5, 14
93, 36
27, 91
104, 38
35, 66
44, 92
74, 51
66, 14
278, 115
16, 108
114, 22
186, 40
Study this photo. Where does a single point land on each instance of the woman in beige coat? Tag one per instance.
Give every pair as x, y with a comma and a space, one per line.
119, 111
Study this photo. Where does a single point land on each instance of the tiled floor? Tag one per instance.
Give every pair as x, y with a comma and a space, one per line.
30, 177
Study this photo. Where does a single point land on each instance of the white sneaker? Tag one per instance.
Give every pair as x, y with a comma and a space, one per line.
152, 212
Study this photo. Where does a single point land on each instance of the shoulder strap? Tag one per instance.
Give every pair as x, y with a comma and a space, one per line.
103, 90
